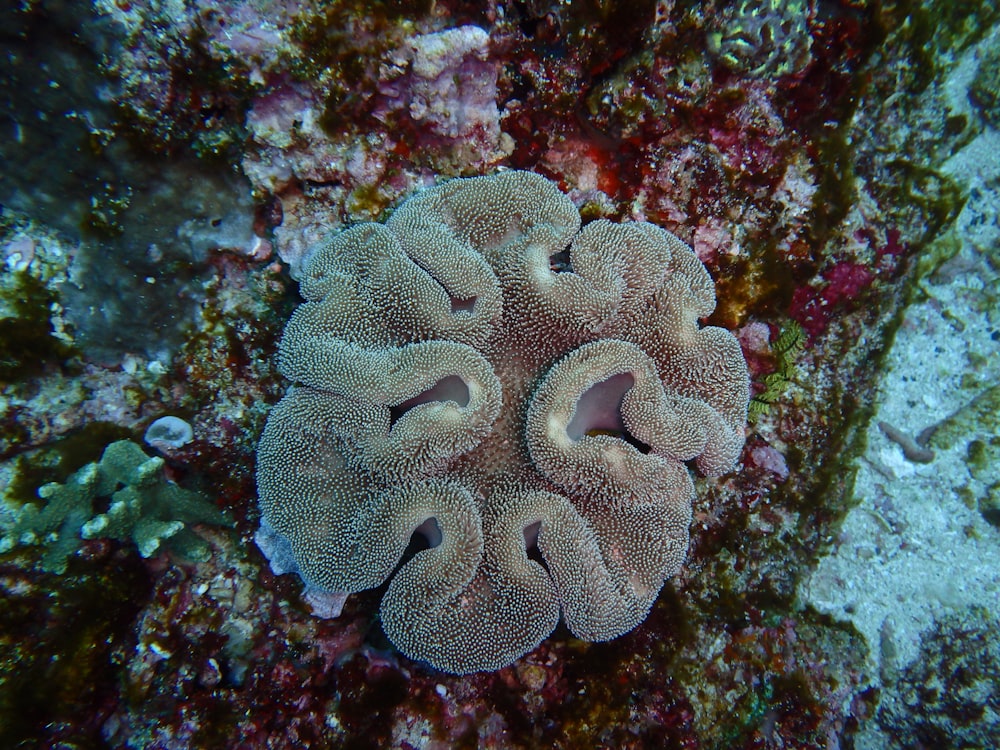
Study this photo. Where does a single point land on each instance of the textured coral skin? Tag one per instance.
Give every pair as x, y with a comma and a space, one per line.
529, 409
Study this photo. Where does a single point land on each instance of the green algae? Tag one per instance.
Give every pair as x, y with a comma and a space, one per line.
786, 347
210, 92
952, 682
28, 343
746, 715
982, 456
979, 416
983, 461
229, 350
989, 505
978, 422
108, 206
56, 461
985, 88
934, 31
939, 196
331, 53
60, 641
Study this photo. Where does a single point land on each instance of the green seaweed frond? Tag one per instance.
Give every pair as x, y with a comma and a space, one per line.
786, 348
790, 342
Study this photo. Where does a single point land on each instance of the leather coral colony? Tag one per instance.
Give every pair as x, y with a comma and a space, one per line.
523, 393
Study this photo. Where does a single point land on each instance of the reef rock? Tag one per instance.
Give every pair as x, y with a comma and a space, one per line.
521, 394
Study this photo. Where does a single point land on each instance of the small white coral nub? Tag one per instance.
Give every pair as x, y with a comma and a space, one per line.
522, 394
168, 433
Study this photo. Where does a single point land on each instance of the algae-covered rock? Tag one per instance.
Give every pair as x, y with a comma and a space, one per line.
948, 696
123, 496
985, 88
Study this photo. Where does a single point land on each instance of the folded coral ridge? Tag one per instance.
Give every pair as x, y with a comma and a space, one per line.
525, 394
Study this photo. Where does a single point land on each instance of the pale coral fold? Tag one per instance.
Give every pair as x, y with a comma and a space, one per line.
523, 394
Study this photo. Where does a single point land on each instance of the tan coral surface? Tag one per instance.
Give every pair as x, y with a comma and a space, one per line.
521, 392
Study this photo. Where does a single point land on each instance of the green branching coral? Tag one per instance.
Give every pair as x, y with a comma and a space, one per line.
137, 503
